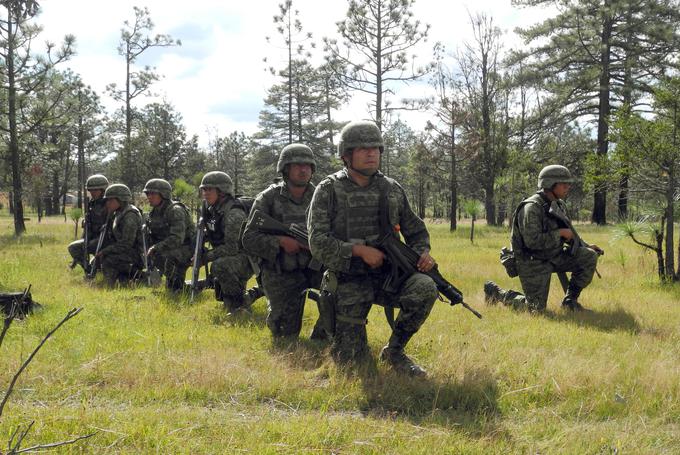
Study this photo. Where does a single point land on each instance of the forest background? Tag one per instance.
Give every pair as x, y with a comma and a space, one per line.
591, 84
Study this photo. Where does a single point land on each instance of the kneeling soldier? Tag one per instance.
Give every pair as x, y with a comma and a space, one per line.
286, 264
121, 259
171, 233
544, 242
224, 215
93, 221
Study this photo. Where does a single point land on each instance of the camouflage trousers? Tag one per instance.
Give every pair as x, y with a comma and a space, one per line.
286, 298
76, 249
230, 275
356, 294
121, 266
534, 275
173, 264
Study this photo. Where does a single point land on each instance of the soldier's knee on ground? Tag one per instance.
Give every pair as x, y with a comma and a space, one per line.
350, 342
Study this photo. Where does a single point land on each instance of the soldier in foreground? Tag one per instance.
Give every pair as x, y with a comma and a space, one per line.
121, 258
544, 242
286, 264
344, 218
224, 215
171, 231
93, 221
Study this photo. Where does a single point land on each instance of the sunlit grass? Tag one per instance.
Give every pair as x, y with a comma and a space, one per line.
152, 373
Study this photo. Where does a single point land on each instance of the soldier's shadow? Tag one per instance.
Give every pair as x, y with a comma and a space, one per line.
607, 320
301, 353
470, 403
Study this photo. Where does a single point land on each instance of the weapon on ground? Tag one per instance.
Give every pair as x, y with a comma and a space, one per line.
403, 262
100, 242
153, 277
269, 225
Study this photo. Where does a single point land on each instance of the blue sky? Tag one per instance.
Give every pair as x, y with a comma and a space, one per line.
217, 79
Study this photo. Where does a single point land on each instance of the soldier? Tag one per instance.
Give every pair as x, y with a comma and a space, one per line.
171, 232
538, 242
224, 215
121, 259
344, 217
94, 219
285, 263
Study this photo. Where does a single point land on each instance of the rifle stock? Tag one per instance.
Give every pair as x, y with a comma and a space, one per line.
266, 223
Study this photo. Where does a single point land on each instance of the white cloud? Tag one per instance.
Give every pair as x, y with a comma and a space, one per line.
217, 78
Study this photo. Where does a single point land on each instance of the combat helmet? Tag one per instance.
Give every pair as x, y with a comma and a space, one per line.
96, 182
295, 153
360, 134
219, 180
159, 186
118, 191
553, 174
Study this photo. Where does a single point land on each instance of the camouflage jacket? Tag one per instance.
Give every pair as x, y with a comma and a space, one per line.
126, 231
170, 226
535, 234
277, 202
223, 225
343, 213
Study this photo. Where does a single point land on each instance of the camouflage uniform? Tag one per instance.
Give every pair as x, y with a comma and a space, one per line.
230, 268
122, 257
343, 213
95, 218
172, 232
539, 250
285, 277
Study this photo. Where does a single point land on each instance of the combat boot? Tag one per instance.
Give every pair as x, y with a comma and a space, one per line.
400, 362
493, 293
233, 305
570, 300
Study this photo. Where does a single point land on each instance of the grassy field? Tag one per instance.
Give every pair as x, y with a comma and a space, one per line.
151, 374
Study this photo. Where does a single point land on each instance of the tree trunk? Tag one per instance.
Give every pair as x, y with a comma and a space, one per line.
15, 156
600, 203
453, 183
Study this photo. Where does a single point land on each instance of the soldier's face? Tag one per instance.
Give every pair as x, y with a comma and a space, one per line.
112, 205
366, 159
560, 190
154, 198
299, 174
210, 195
96, 194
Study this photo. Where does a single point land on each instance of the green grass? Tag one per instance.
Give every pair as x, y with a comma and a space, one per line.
152, 374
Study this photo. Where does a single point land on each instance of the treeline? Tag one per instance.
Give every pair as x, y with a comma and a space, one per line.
594, 87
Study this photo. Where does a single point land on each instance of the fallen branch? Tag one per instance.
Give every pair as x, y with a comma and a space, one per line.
71, 314
51, 445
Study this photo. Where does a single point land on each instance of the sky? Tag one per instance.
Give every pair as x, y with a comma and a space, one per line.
217, 78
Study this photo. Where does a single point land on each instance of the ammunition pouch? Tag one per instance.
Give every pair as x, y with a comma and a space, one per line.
509, 261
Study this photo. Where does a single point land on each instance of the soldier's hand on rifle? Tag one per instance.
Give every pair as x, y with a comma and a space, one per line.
566, 234
425, 262
289, 244
151, 251
373, 257
597, 249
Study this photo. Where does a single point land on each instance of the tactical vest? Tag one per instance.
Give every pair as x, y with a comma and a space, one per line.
96, 215
117, 228
214, 220
158, 222
355, 209
549, 224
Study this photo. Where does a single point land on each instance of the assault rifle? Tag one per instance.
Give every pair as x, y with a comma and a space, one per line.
198, 253
153, 277
403, 259
86, 240
574, 244
269, 225
90, 275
